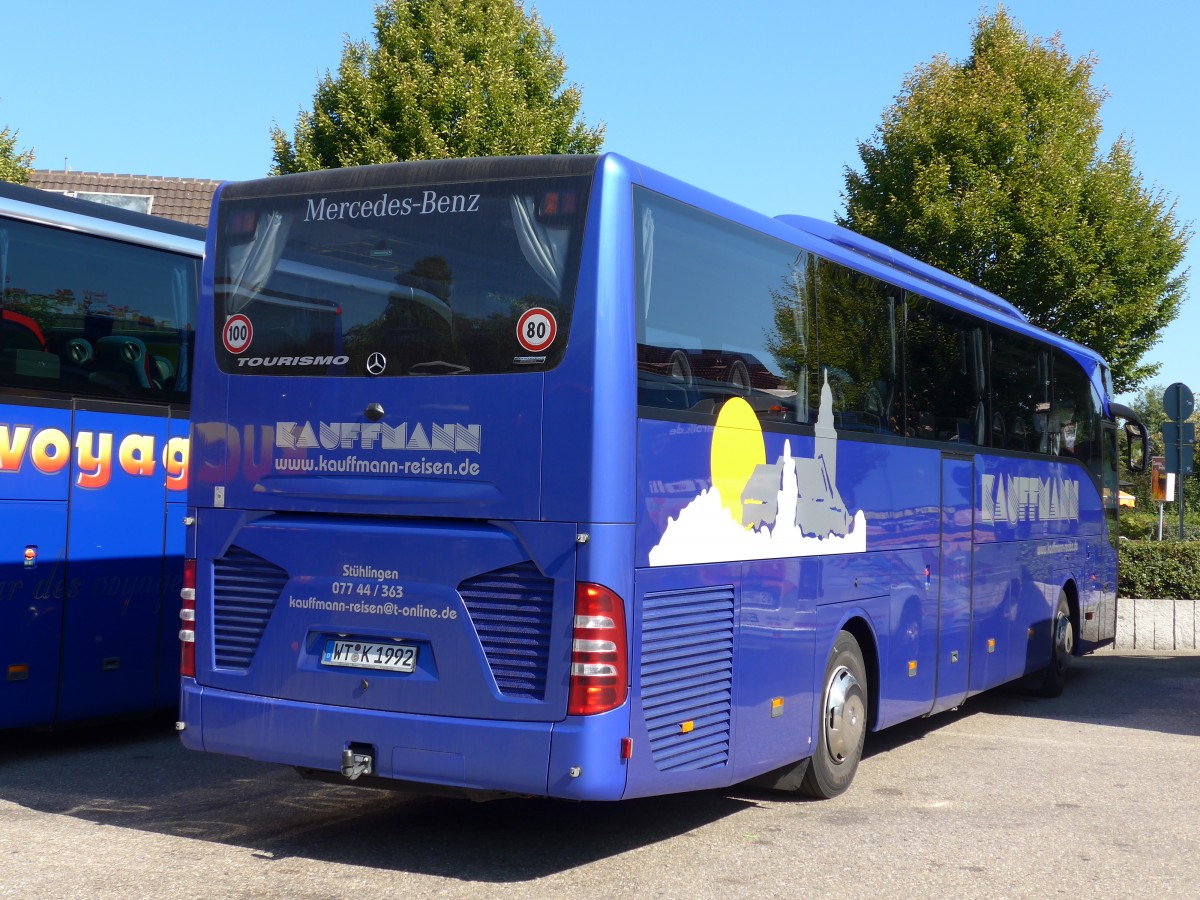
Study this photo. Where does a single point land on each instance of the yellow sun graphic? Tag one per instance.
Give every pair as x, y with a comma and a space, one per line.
737, 449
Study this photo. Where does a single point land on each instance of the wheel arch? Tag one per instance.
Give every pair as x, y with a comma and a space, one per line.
1071, 589
860, 629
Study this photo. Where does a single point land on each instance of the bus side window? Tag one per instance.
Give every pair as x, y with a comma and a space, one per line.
945, 397
94, 316
1076, 415
857, 349
1019, 389
707, 301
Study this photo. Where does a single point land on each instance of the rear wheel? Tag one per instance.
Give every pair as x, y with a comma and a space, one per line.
1062, 646
844, 708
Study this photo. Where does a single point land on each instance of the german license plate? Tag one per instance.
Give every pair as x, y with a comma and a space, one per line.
364, 655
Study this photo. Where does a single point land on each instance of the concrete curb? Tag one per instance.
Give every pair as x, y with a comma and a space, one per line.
1144, 624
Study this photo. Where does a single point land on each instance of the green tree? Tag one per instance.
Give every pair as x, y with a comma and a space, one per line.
444, 78
991, 169
14, 164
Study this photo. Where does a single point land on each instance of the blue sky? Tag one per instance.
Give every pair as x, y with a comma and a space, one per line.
762, 102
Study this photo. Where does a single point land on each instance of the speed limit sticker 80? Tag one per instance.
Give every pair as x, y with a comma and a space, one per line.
237, 334
536, 329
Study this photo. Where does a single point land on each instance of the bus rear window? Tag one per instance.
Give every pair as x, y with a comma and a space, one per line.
444, 279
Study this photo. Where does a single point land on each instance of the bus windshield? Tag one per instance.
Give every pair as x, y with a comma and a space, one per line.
427, 280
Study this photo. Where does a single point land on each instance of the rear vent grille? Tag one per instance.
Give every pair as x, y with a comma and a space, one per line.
512, 609
245, 588
687, 677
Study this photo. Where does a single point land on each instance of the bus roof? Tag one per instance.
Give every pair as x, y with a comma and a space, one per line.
424, 171
866, 246
57, 210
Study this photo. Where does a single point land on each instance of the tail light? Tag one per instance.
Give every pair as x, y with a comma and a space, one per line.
599, 652
187, 620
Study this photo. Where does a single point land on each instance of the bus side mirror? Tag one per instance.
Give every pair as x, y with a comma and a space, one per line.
1137, 449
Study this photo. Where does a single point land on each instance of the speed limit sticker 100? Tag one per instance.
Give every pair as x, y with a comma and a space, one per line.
238, 333
536, 329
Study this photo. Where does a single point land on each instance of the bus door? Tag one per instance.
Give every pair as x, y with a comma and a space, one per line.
167, 683
112, 629
34, 482
1105, 625
954, 585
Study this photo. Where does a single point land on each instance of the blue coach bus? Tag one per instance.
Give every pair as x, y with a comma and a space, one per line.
559, 477
97, 307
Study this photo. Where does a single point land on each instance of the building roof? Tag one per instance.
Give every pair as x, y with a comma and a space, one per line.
182, 199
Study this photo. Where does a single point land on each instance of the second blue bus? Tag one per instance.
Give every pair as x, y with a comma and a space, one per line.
98, 306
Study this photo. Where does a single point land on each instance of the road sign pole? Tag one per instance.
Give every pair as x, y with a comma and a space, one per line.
1179, 435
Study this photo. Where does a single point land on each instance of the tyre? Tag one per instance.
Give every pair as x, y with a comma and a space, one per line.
845, 706
1062, 646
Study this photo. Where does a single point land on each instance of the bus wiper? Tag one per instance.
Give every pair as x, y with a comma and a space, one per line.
438, 367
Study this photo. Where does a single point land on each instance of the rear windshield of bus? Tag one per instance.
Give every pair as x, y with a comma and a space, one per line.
444, 279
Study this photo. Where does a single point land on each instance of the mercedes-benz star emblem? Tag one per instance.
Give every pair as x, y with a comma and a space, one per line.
376, 363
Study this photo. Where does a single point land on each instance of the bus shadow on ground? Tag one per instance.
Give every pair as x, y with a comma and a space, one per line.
138, 776
1145, 692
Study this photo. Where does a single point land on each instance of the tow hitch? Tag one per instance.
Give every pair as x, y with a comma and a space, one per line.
357, 760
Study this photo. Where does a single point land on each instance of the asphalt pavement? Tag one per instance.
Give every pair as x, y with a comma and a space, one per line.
1093, 794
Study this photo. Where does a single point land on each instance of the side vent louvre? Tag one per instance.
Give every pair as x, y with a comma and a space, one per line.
245, 588
511, 609
687, 677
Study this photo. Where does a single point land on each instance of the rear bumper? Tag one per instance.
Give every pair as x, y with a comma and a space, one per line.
473, 754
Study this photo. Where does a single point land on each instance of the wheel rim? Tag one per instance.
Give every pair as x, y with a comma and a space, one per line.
845, 715
1064, 641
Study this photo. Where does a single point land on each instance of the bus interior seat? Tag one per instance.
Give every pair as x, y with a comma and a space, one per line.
999, 432
121, 362
163, 373
925, 427
1018, 434
29, 363
662, 394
